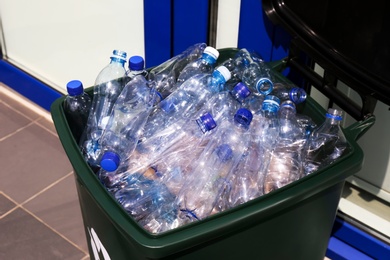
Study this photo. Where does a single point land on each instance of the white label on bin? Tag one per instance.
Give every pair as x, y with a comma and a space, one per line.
97, 246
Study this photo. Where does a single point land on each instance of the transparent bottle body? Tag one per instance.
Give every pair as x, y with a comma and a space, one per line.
165, 75
76, 109
108, 86
326, 143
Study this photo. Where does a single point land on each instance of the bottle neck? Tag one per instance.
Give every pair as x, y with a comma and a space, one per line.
208, 58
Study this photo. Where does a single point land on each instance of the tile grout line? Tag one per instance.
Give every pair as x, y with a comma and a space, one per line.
25, 102
46, 188
52, 229
20, 205
42, 114
17, 131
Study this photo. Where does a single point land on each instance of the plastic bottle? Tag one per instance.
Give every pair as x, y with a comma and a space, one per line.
224, 104
186, 100
204, 65
211, 174
143, 197
165, 75
268, 122
238, 64
247, 180
108, 86
286, 92
187, 133
77, 105
126, 123
257, 76
326, 143
136, 67
286, 163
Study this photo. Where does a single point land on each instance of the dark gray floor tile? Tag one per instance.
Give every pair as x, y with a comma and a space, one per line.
23, 237
59, 208
5, 205
31, 159
10, 120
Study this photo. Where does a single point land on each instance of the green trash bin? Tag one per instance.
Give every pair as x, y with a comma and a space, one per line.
293, 222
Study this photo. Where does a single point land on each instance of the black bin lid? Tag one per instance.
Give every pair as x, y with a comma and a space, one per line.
350, 38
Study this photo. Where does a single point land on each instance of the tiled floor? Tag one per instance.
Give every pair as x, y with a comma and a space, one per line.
40, 216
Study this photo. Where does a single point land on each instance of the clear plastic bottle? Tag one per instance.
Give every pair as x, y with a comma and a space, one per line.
108, 86
136, 67
211, 175
186, 100
257, 76
165, 75
239, 63
145, 197
326, 143
224, 104
126, 123
287, 92
286, 165
181, 133
268, 122
77, 105
204, 65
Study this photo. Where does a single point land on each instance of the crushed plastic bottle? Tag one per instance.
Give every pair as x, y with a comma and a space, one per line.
186, 100
126, 123
285, 165
211, 174
287, 92
183, 132
165, 75
108, 86
204, 65
326, 143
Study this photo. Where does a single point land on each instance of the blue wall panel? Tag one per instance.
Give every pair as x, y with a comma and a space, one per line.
255, 30
158, 31
27, 85
191, 24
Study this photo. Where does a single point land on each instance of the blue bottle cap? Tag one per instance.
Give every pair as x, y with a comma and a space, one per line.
74, 88
136, 63
297, 95
206, 122
156, 97
243, 116
242, 90
264, 86
271, 103
110, 161
224, 152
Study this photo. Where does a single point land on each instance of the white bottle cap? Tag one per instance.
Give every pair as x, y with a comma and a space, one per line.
212, 52
225, 72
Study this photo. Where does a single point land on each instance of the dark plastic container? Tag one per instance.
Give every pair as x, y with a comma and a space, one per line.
294, 222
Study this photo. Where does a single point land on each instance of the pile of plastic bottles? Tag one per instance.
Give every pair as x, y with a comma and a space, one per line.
188, 139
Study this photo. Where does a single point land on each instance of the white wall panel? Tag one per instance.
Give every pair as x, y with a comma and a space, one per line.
62, 40
228, 23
